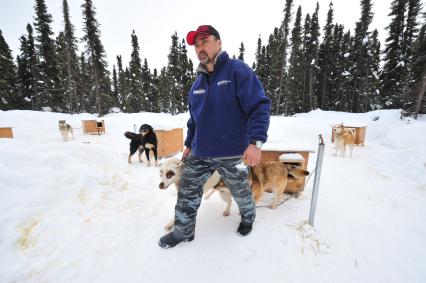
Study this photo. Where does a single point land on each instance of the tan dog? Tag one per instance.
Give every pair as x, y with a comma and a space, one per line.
343, 137
65, 130
170, 173
224, 192
272, 176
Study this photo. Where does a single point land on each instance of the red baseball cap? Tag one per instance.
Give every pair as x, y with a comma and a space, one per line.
204, 30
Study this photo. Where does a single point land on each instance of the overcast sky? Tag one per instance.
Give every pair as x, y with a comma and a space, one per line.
155, 21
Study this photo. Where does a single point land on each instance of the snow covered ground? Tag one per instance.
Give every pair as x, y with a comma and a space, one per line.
77, 212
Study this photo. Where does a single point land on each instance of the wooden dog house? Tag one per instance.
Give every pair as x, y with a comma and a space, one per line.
93, 127
170, 142
6, 132
359, 134
293, 157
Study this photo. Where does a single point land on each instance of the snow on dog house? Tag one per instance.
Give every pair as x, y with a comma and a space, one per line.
6, 132
170, 142
291, 157
93, 127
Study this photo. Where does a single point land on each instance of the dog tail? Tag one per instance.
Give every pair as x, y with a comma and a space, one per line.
297, 172
130, 135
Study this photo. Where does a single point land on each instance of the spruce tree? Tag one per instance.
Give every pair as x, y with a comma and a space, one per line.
123, 88
259, 65
27, 71
311, 45
410, 34
49, 85
274, 67
146, 86
164, 98
418, 89
136, 101
96, 55
86, 96
242, 50
179, 75
173, 75
394, 64
115, 89
306, 97
71, 62
344, 95
326, 64
283, 42
61, 54
373, 62
8, 91
337, 79
186, 76
295, 71
154, 92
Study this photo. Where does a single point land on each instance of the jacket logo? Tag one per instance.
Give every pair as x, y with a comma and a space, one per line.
225, 82
199, 91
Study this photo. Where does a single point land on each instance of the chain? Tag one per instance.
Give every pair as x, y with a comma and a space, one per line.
280, 203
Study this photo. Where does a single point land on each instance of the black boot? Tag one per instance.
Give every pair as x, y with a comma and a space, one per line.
244, 229
172, 239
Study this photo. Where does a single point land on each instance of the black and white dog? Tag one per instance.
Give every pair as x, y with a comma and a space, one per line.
146, 140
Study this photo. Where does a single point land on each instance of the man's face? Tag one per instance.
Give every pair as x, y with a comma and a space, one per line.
206, 48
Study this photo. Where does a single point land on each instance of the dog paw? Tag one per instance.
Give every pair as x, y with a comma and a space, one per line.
226, 213
273, 206
169, 227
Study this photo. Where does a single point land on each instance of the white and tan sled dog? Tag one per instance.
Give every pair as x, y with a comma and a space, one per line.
170, 173
65, 130
343, 137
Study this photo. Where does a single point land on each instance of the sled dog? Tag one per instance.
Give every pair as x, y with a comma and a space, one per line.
65, 130
170, 173
272, 176
343, 137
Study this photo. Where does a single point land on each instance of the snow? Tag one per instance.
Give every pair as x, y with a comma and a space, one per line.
346, 73
400, 64
290, 156
346, 54
76, 211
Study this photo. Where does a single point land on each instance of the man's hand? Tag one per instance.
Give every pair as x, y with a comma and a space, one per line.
252, 155
185, 153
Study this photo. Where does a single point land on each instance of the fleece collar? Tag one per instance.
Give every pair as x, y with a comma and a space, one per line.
217, 62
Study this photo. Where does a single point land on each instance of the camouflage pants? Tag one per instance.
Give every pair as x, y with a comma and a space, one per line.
195, 173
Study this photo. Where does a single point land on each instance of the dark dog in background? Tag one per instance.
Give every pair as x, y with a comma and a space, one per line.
146, 140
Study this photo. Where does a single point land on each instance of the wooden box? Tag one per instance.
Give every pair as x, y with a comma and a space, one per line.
359, 134
93, 127
293, 185
170, 142
6, 132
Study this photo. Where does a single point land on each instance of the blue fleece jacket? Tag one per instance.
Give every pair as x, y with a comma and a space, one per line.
228, 109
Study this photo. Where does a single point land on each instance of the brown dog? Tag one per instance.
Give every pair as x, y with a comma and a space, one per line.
343, 138
272, 176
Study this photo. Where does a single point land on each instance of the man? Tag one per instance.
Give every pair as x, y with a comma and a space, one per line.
229, 120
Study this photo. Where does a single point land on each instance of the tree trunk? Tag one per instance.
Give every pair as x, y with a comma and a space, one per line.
422, 90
